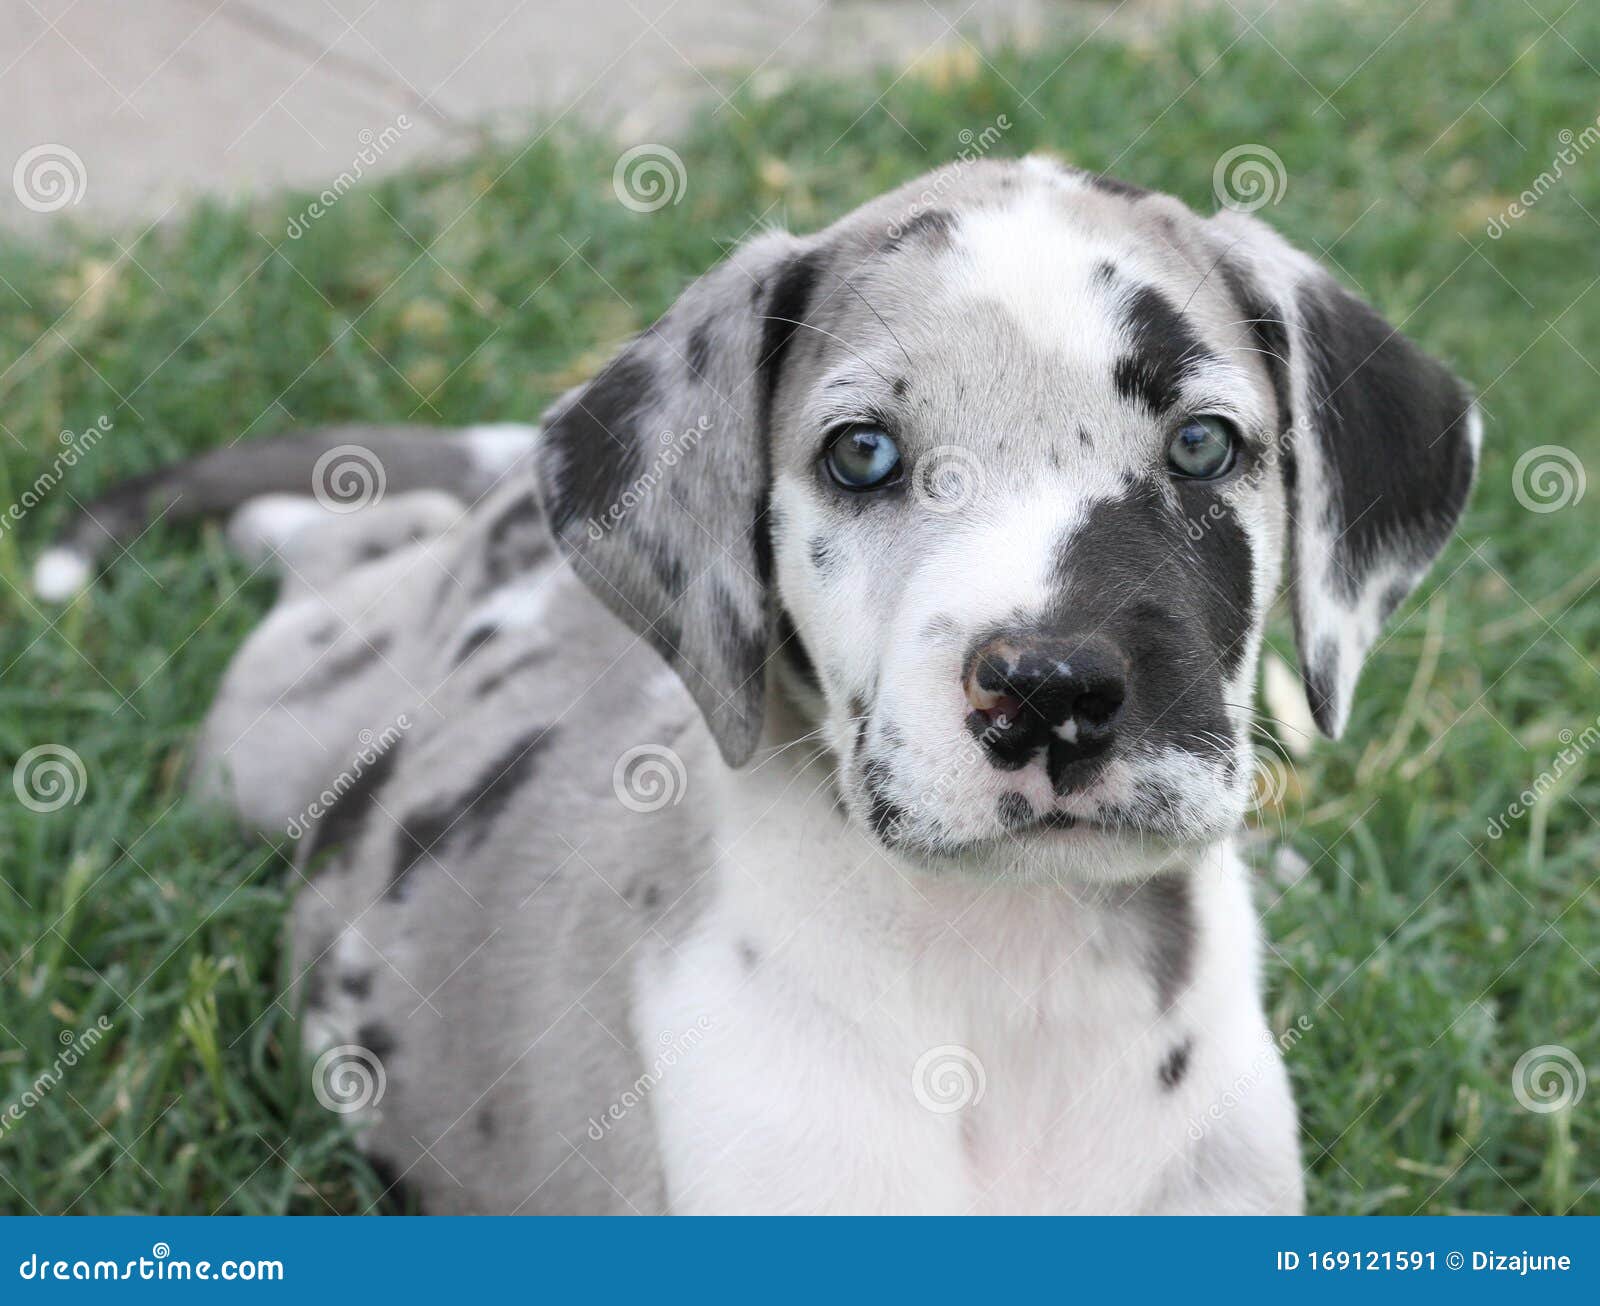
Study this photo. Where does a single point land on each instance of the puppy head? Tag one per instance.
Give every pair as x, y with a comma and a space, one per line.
999, 490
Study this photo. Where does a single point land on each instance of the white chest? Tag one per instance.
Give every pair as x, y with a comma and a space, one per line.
872, 1045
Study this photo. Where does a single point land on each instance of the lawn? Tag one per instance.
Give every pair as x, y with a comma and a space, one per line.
1424, 935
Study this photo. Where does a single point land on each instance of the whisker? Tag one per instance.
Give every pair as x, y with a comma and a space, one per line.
767, 317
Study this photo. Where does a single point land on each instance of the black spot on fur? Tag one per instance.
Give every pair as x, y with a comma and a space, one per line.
485, 1123
1175, 1066
466, 820
1267, 330
342, 823
593, 437
376, 1037
749, 956
1391, 426
516, 667
357, 983
1165, 351
1015, 811
700, 351
932, 226
315, 996
1165, 907
651, 897
334, 668
793, 648
1174, 606
474, 641
791, 296
885, 815
901, 387
515, 543
823, 559
1114, 186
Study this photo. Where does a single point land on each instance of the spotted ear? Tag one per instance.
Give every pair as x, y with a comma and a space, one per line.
656, 474
1377, 458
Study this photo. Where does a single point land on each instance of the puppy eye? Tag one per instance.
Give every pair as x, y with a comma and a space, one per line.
863, 458
1202, 449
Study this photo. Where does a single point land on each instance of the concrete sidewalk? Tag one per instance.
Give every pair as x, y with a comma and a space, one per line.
117, 111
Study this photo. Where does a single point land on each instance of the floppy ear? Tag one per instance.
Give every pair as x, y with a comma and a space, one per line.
655, 477
1378, 455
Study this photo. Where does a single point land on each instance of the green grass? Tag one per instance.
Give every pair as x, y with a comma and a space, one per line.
1426, 957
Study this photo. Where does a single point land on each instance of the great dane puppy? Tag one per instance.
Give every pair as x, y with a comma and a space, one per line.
801, 776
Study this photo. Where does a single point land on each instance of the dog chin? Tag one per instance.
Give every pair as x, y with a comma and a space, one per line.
1048, 851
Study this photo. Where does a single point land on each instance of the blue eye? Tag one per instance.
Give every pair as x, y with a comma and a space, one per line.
1202, 450
863, 458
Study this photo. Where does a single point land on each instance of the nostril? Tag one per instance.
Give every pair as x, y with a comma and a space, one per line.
1098, 709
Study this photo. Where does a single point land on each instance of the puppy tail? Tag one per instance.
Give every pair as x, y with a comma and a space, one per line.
340, 467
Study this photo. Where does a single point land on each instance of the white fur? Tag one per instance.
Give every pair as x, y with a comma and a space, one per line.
498, 445
866, 965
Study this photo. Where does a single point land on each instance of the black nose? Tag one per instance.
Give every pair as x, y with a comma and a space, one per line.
1043, 692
